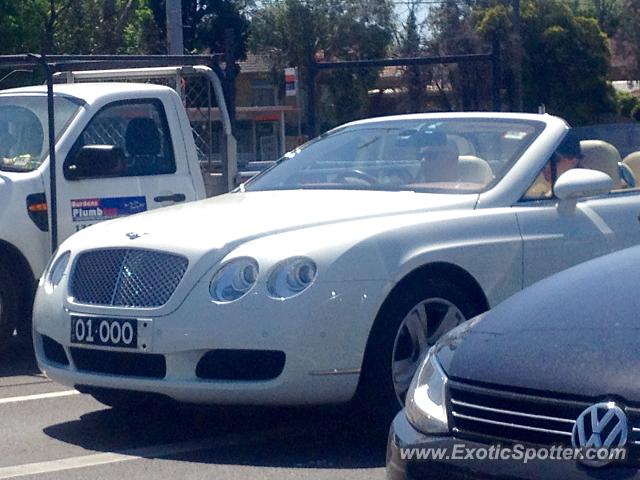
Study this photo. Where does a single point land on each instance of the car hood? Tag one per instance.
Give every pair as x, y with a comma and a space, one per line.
576, 333
231, 219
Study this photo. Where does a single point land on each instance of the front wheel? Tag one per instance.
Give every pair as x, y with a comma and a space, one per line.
410, 322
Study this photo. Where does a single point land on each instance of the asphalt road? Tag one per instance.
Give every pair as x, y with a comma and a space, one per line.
51, 432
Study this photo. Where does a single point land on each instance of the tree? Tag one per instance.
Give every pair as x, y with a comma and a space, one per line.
79, 27
107, 27
629, 32
565, 62
414, 79
609, 13
205, 23
452, 33
295, 31
21, 26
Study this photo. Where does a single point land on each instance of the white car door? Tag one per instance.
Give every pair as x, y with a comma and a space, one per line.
556, 237
124, 162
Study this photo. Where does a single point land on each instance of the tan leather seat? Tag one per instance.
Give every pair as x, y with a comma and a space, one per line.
602, 156
633, 162
473, 169
465, 147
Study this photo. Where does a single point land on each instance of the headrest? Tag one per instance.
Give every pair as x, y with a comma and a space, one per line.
142, 137
602, 156
475, 170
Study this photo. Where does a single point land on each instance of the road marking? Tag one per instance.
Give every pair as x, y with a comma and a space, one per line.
143, 452
24, 384
39, 396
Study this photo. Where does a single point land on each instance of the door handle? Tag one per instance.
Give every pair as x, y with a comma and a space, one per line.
176, 197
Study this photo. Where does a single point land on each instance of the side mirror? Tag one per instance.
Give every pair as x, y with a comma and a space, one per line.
582, 182
96, 161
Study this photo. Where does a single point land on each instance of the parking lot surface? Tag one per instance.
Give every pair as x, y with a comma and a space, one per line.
52, 432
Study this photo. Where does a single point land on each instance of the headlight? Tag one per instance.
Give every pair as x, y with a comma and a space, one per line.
425, 402
291, 277
234, 280
56, 272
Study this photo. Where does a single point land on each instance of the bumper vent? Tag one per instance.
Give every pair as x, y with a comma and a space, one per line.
247, 365
126, 277
54, 351
144, 365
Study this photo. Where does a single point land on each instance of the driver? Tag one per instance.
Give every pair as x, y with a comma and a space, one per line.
567, 156
438, 160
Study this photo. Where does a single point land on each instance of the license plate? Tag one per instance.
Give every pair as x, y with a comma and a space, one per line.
104, 332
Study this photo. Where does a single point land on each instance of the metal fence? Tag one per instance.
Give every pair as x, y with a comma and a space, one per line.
350, 90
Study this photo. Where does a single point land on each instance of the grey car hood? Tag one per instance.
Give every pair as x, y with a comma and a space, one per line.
576, 333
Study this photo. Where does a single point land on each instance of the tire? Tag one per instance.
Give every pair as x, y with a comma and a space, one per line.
8, 307
391, 347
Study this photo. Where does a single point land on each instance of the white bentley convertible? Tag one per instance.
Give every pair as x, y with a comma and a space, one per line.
330, 273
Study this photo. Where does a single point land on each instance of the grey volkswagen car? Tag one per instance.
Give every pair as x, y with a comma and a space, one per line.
546, 385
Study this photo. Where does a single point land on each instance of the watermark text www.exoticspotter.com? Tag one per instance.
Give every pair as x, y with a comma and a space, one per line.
517, 452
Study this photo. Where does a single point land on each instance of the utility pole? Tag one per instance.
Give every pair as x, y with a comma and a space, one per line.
517, 58
175, 44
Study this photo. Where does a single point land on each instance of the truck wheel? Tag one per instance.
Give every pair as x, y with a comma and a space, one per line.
408, 325
8, 307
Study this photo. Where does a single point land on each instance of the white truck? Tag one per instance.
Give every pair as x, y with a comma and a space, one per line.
120, 148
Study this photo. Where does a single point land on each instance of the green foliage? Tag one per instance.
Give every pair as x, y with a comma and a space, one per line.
565, 61
411, 38
105, 27
451, 30
142, 34
452, 34
493, 20
414, 78
629, 32
21, 25
626, 104
205, 23
609, 13
115, 26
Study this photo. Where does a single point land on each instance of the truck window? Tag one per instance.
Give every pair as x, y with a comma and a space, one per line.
137, 130
24, 129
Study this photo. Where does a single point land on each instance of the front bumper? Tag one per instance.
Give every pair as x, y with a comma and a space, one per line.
322, 333
404, 440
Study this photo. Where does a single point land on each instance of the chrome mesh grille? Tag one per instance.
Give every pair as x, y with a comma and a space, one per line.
126, 277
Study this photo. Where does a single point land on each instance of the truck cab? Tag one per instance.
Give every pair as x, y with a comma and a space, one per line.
121, 149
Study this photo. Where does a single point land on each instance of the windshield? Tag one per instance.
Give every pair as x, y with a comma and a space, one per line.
441, 156
24, 129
